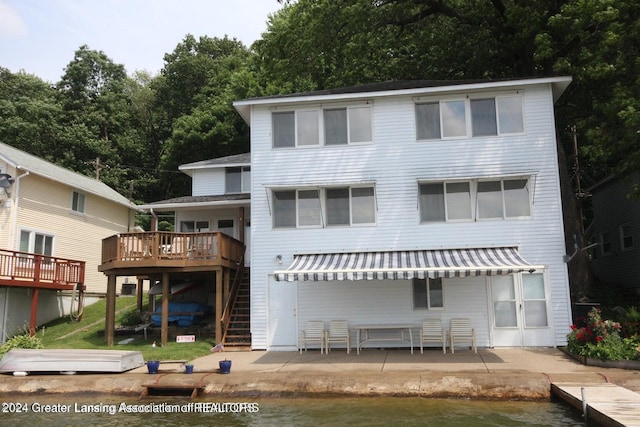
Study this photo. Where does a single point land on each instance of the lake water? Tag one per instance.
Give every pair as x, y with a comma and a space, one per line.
302, 411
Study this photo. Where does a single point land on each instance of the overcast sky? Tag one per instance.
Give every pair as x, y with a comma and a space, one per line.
41, 36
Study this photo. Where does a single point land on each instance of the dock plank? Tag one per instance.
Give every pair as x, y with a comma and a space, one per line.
607, 404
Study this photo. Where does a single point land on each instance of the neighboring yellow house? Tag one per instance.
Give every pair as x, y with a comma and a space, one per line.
46, 209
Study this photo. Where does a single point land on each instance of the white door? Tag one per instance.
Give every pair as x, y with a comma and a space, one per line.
519, 311
283, 322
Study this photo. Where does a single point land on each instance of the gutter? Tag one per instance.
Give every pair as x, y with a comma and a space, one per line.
14, 208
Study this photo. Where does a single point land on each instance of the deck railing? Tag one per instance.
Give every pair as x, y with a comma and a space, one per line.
27, 269
158, 247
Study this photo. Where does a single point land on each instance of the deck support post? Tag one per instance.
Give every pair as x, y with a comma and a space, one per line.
33, 320
110, 315
164, 329
219, 306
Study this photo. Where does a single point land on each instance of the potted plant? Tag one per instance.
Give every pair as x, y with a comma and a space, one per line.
152, 366
188, 368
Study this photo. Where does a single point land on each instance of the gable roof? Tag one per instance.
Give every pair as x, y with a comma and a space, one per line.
399, 87
235, 160
37, 166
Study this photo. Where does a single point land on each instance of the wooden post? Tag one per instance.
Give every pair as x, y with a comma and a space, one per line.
164, 328
139, 293
110, 316
241, 225
33, 321
218, 306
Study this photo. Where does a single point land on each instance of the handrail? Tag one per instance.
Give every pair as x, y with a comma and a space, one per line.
18, 267
225, 319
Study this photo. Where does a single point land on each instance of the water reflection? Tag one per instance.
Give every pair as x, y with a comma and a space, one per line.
383, 411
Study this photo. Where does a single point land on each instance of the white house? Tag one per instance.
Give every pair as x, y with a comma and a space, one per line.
392, 202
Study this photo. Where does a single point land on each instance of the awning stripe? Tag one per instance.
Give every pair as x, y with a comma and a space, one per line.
398, 265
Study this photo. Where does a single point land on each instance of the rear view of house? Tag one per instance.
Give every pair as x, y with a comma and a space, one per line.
394, 202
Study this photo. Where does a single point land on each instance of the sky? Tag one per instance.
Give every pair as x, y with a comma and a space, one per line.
40, 37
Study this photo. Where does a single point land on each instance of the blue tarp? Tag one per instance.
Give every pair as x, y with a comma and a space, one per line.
184, 307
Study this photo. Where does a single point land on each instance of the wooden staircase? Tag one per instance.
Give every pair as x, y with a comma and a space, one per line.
237, 335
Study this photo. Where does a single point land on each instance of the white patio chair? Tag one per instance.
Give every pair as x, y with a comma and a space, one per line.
313, 333
432, 332
460, 330
339, 332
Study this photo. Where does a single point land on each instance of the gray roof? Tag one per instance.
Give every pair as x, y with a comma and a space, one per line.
177, 202
41, 167
236, 159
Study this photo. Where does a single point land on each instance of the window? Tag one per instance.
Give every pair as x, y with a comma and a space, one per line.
333, 126
332, 206
626, 237
77, 202
605, 244
37, 243
428, 294
488, 116
238, 180
534, 300
445, 202
494, 199
194, 226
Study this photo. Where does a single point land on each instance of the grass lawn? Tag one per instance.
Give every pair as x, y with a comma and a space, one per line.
88, 334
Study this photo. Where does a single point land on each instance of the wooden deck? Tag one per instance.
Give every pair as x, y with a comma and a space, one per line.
132, 253
606, 404
26, 269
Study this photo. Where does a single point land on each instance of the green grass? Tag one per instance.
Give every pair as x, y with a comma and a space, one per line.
88, 333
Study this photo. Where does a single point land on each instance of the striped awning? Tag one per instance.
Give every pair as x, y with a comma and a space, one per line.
397, 265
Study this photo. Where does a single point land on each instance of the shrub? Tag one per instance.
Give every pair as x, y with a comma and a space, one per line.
21, 341
131, 318
601, 339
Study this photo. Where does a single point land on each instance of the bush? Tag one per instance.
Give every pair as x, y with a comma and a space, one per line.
21, 341
131, 318
600, 339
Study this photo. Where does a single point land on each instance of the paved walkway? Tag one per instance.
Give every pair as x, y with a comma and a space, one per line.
489, 374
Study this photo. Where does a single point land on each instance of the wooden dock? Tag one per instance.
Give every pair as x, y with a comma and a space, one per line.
606, 404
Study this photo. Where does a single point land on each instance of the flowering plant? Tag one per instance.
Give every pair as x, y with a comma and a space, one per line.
601, 339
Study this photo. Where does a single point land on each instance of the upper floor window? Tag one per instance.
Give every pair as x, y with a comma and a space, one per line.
605, 243
238, 180
329, 126
78, 202
475, 116
467, 200
333, 206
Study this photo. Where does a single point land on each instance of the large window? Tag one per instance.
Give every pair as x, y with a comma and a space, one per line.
238, 180
466, 200
488, 116
332, 206
428, 294
77, 202
626, 237
329, 126
37, 243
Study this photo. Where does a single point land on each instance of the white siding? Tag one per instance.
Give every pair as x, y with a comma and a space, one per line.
208, 182
395, 162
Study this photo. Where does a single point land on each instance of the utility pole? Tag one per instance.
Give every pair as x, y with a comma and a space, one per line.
99, 166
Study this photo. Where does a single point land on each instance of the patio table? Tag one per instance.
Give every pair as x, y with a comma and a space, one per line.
405, 334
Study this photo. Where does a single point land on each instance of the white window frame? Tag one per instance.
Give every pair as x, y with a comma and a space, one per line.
474, 212
606, 247
323, 207
427, 283
245, 179
31, 241
319, 123
468, 113
78, 202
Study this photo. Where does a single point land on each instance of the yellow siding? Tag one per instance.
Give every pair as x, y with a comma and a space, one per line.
45, 207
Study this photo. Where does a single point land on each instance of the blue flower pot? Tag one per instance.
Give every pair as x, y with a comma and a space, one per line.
188, 369
225, 366
152, 366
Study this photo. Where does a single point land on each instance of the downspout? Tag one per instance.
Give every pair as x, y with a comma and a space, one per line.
14, 208
14, 228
